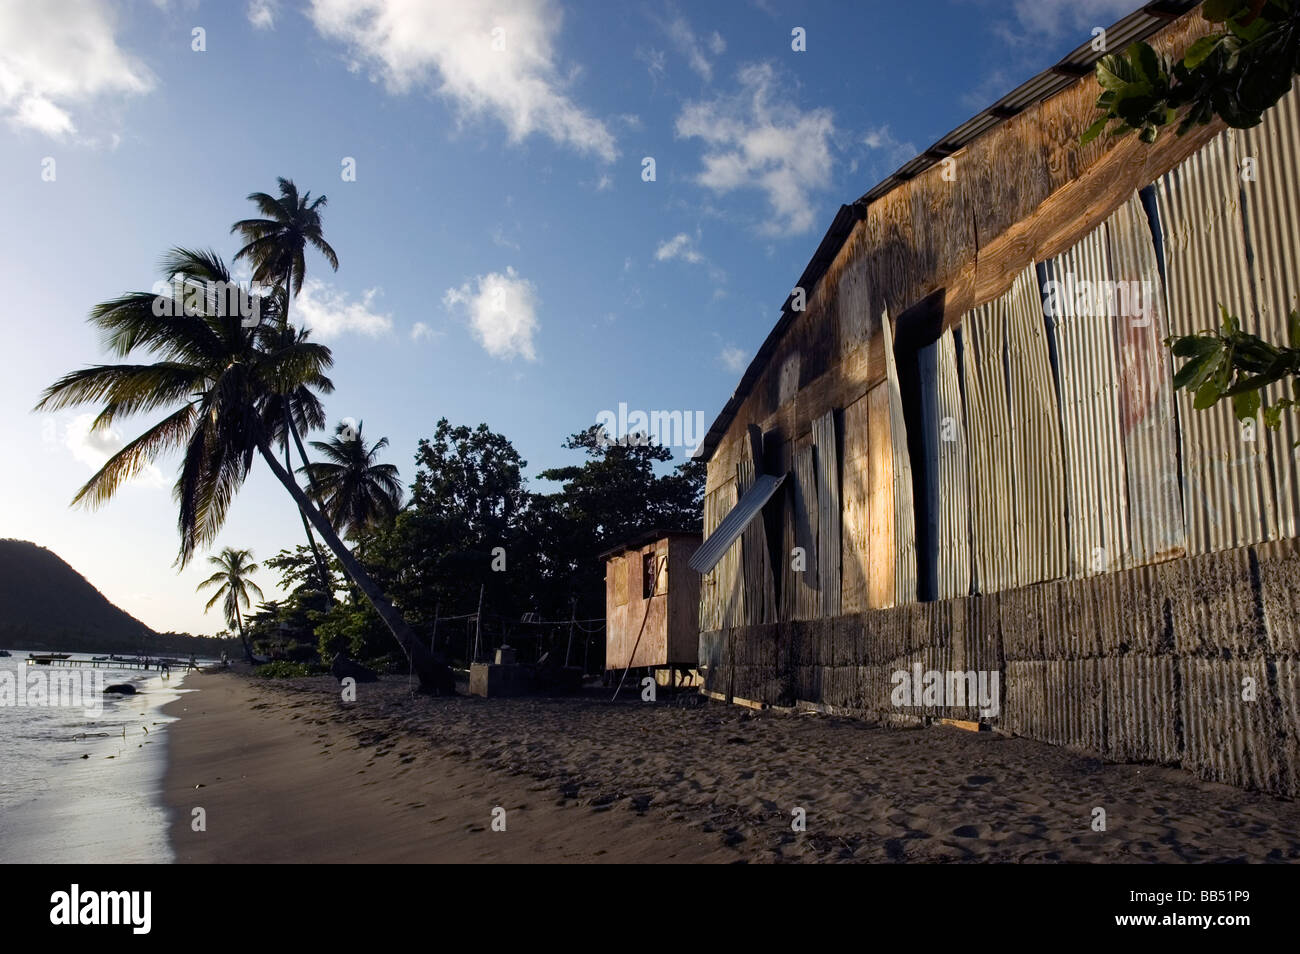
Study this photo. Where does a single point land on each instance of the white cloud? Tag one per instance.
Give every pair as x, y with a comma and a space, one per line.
423, 332
693, 47
1052, 18
734, 359
680, 246
759, 139
328, 312
93, 448
502, 313
262, 13
448, 47
59, 55
656, 62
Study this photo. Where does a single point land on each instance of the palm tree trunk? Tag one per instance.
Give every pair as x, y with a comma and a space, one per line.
434, 676
239, 621
326, 585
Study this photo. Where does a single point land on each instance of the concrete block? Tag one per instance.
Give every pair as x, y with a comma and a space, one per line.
1141, 709
1227, 738
1279, 584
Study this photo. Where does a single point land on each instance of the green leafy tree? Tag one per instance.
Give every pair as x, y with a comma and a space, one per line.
233, 582
615, 494
1235, 73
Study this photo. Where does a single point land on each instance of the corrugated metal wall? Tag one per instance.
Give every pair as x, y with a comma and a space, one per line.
901, 471
990, 448
829, 507
1272, 220
801, 591
722, 599
1146, 408
1040, 537
1227, 487
947, 503
1013, 442
1083, 339
855, 531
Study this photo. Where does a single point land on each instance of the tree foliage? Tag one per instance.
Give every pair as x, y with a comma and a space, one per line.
1236, 73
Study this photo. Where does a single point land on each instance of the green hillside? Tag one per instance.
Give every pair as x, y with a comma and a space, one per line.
46, 604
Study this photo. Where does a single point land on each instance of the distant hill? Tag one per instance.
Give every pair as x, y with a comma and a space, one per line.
46, 604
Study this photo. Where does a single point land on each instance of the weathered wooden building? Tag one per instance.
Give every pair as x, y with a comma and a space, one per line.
652, 599
965, 453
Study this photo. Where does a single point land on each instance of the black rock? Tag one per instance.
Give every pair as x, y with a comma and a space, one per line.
341, 668
122, 688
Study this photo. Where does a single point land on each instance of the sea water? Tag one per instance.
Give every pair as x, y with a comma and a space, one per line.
83, 785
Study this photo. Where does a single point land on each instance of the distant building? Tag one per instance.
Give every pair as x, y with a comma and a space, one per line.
652, 600
959, 450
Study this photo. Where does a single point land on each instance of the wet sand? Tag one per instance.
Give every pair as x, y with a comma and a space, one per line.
289, 772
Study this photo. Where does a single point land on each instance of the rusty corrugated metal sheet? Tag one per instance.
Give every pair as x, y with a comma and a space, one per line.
1034, 416
1082, 332
990, 449
947, 504
1146, 405
904, 512
1272, 218
1227, 493
829, 516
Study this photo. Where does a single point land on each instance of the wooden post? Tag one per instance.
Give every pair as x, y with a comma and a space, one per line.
573, 615
478, 622
433, 640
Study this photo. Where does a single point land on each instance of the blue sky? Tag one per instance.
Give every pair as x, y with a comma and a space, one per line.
502, 258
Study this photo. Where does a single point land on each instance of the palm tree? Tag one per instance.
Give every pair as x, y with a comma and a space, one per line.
216, 379
276, 247
305, 414
233, 583
356, 491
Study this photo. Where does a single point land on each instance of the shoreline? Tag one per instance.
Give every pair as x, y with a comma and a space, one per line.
88, 789
290, 773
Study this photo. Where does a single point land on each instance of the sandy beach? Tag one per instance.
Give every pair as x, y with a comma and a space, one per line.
287, 772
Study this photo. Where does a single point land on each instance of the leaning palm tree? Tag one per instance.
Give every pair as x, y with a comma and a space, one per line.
276, 247
357, 492
215, 378
233, 582
305, 413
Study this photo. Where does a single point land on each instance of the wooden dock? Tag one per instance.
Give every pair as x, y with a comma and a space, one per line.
141, 662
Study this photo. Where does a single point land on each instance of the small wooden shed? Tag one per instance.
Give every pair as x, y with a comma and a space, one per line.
652, 601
